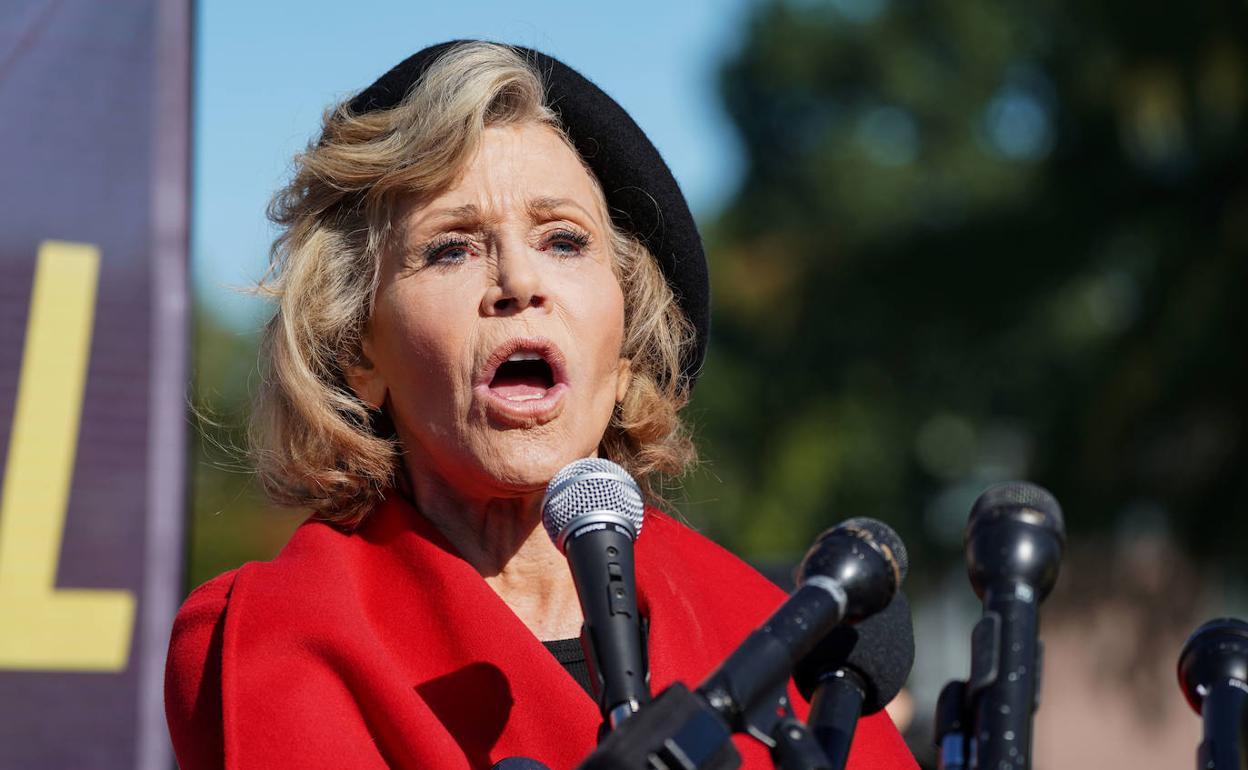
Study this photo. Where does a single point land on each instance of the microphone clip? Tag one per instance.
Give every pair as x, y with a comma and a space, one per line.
678, 730
772, 722
686, 730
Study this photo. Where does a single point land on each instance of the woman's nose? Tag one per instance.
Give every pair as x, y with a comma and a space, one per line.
518, 281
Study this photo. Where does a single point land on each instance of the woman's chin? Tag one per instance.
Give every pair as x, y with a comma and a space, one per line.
479, 460
512, 463
531, 468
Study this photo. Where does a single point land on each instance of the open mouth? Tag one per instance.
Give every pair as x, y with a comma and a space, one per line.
524, 376
524, 381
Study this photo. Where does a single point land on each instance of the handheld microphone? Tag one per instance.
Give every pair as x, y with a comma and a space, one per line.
850, 573
593, 512
855, 671
1213, 672
1014, 542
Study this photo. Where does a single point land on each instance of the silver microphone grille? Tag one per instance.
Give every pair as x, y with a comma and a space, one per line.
592, 485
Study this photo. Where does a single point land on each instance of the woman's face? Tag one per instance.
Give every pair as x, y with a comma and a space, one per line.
496, 332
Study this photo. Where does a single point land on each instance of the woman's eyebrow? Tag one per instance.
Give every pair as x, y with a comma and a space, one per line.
544, 206
468, 214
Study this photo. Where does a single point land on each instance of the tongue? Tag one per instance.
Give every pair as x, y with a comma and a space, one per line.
519, 388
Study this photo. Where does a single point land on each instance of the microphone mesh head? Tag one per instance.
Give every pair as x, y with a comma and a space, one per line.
883, 536
1018, 500
589, 486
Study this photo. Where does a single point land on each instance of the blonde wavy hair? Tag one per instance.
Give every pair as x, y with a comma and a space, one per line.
314, 442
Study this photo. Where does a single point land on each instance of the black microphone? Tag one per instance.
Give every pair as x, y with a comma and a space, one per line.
1014, 542
850, 573
853, 672
593, 512
1213, 672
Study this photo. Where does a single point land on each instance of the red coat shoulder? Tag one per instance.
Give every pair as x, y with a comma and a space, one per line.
193, 676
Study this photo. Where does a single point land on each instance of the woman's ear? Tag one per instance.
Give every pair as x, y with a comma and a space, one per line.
624, 378
365, 379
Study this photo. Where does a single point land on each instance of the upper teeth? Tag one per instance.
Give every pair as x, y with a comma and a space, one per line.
525, 356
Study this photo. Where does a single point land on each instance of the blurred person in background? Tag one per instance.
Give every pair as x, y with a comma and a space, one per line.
467, 301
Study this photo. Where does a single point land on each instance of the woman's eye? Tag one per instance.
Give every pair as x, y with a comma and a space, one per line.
447, 252
566, 243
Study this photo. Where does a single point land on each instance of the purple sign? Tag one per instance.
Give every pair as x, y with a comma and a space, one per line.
94, 139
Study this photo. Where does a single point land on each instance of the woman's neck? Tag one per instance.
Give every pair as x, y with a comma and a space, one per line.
504, 540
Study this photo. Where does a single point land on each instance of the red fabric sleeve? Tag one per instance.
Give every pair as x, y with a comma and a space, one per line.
193, 677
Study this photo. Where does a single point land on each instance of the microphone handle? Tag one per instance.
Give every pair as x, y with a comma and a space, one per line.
834, 711
601, 559
1004, 681
767, 656
1224, 713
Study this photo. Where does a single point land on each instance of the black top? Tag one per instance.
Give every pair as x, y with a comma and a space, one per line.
570, 655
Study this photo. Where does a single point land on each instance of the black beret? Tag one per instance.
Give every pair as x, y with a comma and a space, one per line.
641, 192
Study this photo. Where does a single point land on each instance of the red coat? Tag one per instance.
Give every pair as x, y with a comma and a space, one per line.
384, 648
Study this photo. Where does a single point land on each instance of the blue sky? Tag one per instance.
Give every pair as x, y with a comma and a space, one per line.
265, 71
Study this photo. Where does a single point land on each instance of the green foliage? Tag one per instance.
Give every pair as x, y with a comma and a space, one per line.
978, 241
230, 522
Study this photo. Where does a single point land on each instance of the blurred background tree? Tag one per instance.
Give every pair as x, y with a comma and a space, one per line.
978, 241
230, 520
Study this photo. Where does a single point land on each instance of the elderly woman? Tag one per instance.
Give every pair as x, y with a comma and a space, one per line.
485, 273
